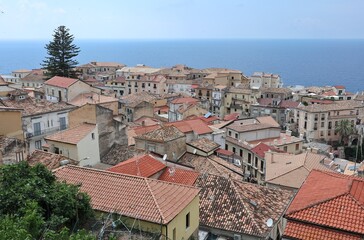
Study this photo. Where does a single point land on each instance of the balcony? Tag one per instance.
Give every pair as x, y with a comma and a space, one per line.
41, 133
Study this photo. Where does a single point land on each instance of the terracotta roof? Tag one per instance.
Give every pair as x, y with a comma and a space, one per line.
184, 100
291, 170
143, 198
196, 125
280, 103
239, 207
62, 82
163, 134
276, 90
330, 200
178, 175
204, 144
339, 87
261, 148
232, 116
268, 120
283, 139
212, 165
144, 166
132, 100
335, 106
91, 98
250, 127
72, 135
224, 152
31, 106
298, 230
48, 159
34, 75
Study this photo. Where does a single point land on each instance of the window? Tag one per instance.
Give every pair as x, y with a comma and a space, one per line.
37, 129
187, 220
234, 149
236, 135
322, 124
226, 147
297, 146
38, 144
174, 234
62, 123
229, 133
256, 162
241, 152
285, 148
249, 158
93, 136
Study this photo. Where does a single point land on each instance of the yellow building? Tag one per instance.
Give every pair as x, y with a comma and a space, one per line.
163, 209
11, 123
80, 143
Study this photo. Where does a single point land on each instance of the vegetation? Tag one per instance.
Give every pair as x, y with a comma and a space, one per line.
344, 129
62, 52
36, 206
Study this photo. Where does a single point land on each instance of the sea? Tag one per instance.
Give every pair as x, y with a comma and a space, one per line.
307, 62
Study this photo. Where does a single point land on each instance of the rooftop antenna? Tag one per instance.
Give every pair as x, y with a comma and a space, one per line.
269, 222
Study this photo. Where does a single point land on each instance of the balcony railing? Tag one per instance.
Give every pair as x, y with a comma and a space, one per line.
42, 132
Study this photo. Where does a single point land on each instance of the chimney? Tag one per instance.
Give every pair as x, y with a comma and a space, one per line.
275, 141
288, 132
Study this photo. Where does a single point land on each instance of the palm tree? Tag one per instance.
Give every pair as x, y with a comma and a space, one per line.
344, 129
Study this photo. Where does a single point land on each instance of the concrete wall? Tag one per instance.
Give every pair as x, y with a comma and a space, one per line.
77, 88
88, 149
11, 124
67, 150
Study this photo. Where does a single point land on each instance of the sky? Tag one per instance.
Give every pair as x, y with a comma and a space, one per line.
183, 19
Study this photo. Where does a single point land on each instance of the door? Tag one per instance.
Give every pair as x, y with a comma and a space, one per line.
37, 130
62, 123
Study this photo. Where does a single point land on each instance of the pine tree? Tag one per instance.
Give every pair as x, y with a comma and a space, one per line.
61, 51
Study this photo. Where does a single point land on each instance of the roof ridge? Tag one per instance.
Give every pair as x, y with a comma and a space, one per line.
355, 200
155, 200
288, 172
244, 205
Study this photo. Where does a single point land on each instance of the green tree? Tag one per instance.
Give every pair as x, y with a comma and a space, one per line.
344, 129
36, 204
61, 53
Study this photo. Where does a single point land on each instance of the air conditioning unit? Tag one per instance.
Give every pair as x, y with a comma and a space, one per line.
237, 237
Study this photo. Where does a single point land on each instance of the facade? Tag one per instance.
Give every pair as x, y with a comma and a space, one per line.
317, 122
140, 200
155, 84
39, 118
260, 79
179, 104
96, 99
101, 71
10, 78
280, 110
276, 93
117, 85
62, 89
165, 140
137, 105
11, 123
239, 99
110, 131
21, 73
217, 101
80, 143
33, 79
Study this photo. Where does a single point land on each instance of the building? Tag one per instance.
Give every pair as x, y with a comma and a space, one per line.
155, 84
290, 171
11, 124
80, 143
327, 206
260, 79
39, 117
202, 147
101, 71
137, 105
217, 101
110, 130
238, 100
21, 73
96, 99
280, 110
179, 106
33, 79
140, 200
276, 93
117, 85
232, 209
165, 140
193, 129
318, 121
62, 89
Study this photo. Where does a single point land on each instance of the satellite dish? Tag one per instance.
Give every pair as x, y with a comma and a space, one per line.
194, 151
269, 222
164, 157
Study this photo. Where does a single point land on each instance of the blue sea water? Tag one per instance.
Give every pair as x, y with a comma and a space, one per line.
299, 62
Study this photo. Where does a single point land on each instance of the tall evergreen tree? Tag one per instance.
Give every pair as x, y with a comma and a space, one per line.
61, 51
